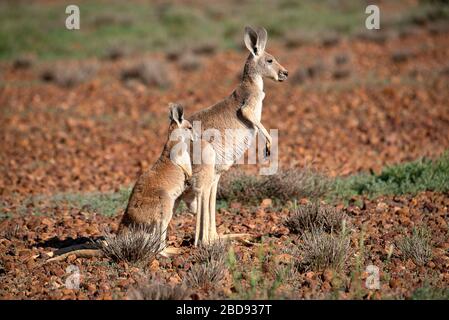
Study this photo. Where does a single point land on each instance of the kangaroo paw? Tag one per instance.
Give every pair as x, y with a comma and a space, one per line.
267, 152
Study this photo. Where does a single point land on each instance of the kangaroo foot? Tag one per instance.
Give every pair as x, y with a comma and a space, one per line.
170, 251
234, 236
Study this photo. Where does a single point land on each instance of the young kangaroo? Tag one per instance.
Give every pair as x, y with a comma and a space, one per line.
153, 197
155, 192
242, 111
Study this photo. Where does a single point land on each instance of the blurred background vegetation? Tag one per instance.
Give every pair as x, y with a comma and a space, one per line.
38, 27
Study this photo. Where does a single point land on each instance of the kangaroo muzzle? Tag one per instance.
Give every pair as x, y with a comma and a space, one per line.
282, 75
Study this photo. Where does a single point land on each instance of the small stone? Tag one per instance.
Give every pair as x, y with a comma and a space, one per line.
30, 263
410, 265
105, 287
266, 203
67, 292
326, 286
235, 205
154, 265
394, 283
47, 222
310, 274
174, 279
58, 272
381, 207
328, 275
284, 258
91, 287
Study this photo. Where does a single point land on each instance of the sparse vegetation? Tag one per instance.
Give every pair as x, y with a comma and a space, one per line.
209, 267
401, 56
216, 251
341, 59
11, 232
428, 292
153, 26
68, 76
115, 53
320, 250
330, 39
295, 39
285, 185
151, 73
417, 246
258, 280
23, 62
205, 48
406, 178
2, 268
299, 76
411, 177
139, 246
206, 275
106, 203
313, 216
341, 73
158, 291
361, 104
189, 61
286, 272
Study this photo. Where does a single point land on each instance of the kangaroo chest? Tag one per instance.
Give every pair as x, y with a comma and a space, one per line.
258, 106
239, 136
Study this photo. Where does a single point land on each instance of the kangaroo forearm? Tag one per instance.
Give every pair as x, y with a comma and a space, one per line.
264, 131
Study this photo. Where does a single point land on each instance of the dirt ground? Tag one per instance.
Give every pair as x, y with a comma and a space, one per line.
386, 103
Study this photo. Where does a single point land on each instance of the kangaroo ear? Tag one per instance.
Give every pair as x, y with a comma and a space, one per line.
262, 37
176, 113
250, 39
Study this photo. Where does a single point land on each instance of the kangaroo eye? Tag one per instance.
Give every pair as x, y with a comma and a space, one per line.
270, 60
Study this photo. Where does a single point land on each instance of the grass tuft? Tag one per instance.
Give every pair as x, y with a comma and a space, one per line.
285, 185
321, 250
150, 73
314, 216
158, 291
2, 268
139, 245
217, 251
68, 77
206, 275
189, 61
417, 246
210, 266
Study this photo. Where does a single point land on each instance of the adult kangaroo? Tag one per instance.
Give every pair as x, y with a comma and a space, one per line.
241, 112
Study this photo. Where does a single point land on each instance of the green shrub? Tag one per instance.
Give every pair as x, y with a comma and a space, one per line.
407, 178
427, 292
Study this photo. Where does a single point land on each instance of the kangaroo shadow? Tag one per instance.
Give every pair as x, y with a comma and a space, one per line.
70, 244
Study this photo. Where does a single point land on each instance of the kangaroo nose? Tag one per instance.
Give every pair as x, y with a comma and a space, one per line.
283, 74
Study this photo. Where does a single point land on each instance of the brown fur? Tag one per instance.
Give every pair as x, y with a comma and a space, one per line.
152, 200
153, 197
241, 110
